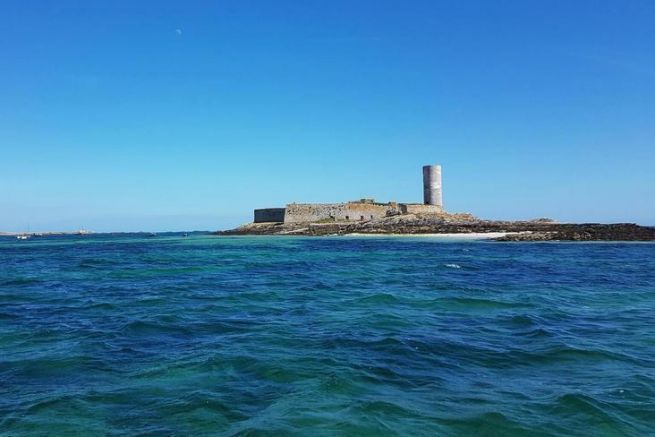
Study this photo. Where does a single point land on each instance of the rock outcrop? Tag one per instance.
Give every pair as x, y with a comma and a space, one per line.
536, 230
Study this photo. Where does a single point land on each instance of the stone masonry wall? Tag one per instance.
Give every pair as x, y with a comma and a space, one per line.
351, 211
266, 215
340, 212
419, 208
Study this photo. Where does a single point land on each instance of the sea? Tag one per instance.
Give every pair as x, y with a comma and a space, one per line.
135, 334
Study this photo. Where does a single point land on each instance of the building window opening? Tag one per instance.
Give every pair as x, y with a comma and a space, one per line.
371, 217
347, 218
361, 217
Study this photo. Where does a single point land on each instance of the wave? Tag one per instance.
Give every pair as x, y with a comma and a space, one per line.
475, 303
572, 354
8, 316
150, 327
489, 423
20, 281
583, 410
382, 298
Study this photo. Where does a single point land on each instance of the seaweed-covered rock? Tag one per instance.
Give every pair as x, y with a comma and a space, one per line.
534, 230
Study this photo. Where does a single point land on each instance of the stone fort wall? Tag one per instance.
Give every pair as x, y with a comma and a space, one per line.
349, 211
266, 215
420, 208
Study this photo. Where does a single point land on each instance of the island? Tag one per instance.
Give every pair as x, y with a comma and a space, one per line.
368, 217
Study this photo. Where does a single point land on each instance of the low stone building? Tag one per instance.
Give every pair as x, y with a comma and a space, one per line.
358, 210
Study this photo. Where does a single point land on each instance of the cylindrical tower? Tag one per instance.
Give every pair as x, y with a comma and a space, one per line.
432, 185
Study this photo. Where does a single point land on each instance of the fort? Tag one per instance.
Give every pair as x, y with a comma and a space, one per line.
368, 217
359, 210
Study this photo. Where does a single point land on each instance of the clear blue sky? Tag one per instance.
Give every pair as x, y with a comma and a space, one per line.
178, 115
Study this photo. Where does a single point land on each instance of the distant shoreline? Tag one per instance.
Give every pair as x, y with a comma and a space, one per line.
47, 233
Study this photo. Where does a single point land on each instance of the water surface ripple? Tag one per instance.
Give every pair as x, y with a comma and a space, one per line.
403, 336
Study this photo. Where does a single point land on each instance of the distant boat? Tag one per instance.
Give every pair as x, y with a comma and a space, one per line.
24, 235
151, 234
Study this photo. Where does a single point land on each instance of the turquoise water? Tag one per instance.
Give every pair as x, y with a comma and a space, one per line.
350, 336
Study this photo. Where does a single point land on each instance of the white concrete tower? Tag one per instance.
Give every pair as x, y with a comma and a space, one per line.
432, 185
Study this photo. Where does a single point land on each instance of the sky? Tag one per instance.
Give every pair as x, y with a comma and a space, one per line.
186, 115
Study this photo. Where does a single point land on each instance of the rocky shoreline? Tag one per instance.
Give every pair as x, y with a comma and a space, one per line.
536, 230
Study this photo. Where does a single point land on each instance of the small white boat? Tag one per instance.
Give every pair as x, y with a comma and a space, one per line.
22, 236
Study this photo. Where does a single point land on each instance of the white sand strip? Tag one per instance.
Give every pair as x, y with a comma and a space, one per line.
462, 236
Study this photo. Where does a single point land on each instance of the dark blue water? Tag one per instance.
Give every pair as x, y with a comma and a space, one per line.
343, 335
